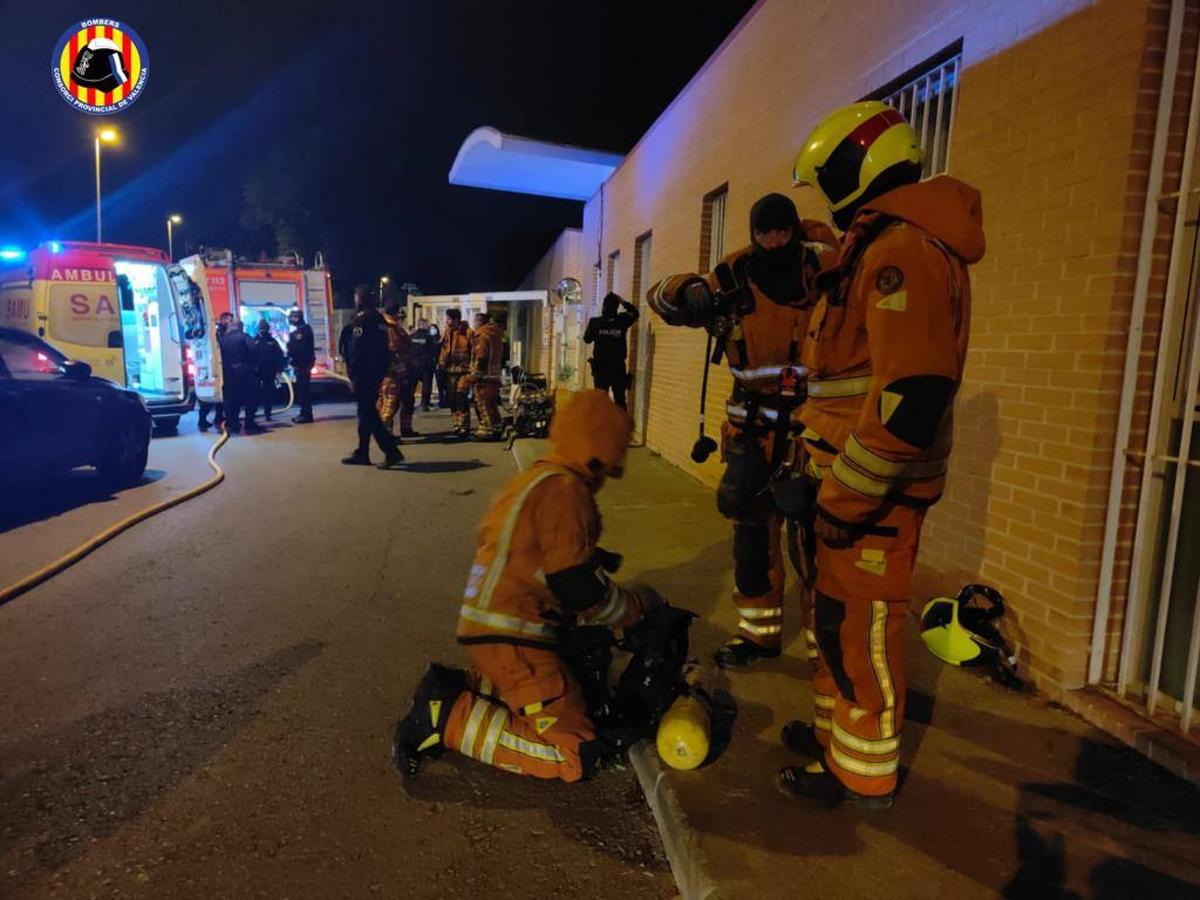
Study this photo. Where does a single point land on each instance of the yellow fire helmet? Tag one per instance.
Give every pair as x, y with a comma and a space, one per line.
963, 632
683, 733
856, 153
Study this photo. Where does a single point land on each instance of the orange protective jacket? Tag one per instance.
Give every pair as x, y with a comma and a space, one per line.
399, 349
487, 352
886, 350
769, 338
455, 357
545, 520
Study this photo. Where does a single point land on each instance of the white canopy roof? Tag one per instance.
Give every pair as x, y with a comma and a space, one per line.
505, 162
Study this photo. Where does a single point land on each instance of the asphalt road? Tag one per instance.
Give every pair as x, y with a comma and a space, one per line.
203, 707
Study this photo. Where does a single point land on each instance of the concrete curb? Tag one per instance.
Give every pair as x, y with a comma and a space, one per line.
687, 859
688, 863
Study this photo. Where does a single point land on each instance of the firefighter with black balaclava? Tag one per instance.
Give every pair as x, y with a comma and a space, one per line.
756, 306
608, 332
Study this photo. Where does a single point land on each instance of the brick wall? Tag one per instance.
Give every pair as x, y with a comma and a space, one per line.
1050, 127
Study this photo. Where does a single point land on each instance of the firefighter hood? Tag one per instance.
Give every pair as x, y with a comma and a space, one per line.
590, 435
944, 207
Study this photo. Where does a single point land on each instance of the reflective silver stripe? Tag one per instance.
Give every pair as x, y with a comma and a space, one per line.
502, 622
883, 670
864, 745
485, 685
763, 372
866, 769
530, 749
504, 546
747, 613
492, 736
478, 711
872, 462
734, 410
839, 387
856, 480
760, 629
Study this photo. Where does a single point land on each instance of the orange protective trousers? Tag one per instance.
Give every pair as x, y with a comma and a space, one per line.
862, 596
487, 407
524, 713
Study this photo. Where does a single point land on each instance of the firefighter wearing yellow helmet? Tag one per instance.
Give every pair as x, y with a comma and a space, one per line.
885, 355
537, 568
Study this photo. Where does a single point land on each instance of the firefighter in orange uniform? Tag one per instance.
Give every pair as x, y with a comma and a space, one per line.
537, 566
487, 355
456, 360
885, 354
394, 393
760, 326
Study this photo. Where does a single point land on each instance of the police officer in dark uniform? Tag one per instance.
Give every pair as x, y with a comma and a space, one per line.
426, 346
367, 361
217, 408
302, 355
269, 362
607, 331
238, 361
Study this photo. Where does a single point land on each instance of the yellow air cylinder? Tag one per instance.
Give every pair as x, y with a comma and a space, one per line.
683, 734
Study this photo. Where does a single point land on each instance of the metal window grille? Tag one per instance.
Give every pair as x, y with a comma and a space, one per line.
927, 102
614, 260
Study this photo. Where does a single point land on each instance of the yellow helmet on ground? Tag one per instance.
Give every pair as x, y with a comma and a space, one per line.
857, 153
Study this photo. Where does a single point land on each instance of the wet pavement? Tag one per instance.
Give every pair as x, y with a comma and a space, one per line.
203, 707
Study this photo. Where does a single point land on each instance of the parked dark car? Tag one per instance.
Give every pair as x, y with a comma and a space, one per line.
55, 415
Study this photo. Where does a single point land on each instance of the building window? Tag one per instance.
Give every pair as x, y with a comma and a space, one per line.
641, 265
925, 96
614, 262
712, 228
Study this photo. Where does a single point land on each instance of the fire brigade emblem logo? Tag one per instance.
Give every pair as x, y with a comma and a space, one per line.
100, 66
889, 280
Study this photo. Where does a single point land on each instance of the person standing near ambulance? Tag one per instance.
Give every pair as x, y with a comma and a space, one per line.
885, 353
538, 568
487, 356
760, 325
456, 361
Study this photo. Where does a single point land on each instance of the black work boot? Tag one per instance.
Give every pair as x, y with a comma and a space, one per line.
740, 653
419, 733
815, 783
391, 460
800, 737
357, 458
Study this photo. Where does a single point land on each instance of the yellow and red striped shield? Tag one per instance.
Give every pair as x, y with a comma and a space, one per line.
122, 54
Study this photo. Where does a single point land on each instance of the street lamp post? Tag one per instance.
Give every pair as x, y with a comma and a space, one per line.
383, 279
172, 220
108, 136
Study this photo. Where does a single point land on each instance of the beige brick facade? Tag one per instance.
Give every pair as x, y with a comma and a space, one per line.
1054, 110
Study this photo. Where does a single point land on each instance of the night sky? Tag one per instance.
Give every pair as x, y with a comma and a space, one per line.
341, 120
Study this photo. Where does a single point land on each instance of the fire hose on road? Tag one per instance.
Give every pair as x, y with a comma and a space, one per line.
17, 588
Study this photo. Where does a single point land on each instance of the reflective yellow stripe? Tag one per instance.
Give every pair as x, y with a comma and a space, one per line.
824, 701
485, 685
883, 672
816, 471
501, 622
504, 546
840, 387
764, 372
748, 613
530, 749
866, 769
822, 722
492, 736
760, 629
886, 747
858, 453
856, 480
471, 732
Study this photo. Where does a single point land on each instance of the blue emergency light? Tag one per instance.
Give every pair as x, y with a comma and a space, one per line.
11, 254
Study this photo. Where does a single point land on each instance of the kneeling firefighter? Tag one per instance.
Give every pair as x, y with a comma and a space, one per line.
756, 306
538, 575
885, 357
